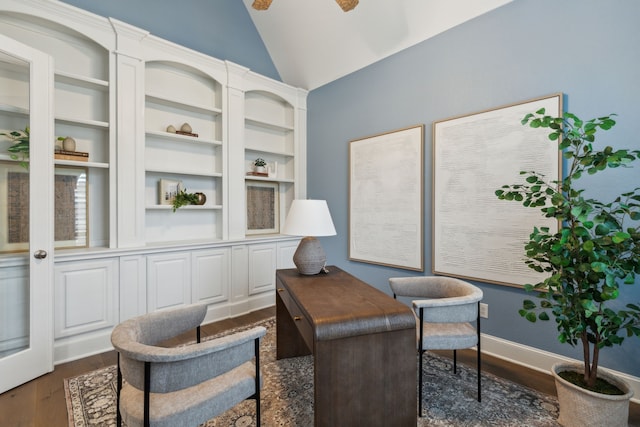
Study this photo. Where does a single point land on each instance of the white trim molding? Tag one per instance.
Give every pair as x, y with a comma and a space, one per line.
540, 360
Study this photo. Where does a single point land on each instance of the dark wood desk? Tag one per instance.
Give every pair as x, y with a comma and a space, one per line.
363, 343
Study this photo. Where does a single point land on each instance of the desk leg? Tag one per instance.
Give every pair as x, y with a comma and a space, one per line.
367, 380
289, 342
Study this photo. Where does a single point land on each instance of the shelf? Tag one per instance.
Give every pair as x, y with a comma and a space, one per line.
96, 124
78, 80
183, 172
259, 178
270, 125
182, 138
188, 207
160, 99
11, 109
262, 150
98, 165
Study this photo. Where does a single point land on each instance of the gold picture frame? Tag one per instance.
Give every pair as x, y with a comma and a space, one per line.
475, 236
386, 175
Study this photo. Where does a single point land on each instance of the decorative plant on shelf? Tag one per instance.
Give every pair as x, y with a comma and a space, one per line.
183, 198
259, 163
596, 250
19, 150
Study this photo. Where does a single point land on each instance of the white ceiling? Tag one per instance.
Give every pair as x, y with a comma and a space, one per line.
313, 42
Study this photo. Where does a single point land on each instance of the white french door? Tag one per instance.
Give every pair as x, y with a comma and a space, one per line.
26, 215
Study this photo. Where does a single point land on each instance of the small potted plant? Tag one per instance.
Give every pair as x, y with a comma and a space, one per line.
592, 257
260, 165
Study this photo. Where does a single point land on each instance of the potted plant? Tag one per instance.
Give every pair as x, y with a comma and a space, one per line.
184, 198
260, 165
594, 254
19, 150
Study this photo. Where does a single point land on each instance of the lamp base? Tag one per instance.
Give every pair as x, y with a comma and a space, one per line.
309, 256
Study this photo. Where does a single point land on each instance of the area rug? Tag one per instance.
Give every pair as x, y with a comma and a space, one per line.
287, 396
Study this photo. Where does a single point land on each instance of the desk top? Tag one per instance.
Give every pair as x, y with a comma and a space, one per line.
340, 305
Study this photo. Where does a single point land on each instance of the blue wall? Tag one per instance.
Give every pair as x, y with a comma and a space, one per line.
523, 50
220, 28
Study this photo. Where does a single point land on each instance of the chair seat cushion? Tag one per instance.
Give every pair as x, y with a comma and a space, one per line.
448, 336
191, 406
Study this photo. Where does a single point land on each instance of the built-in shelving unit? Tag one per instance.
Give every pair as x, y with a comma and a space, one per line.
82, 109
270, 134
176, 94
117, 104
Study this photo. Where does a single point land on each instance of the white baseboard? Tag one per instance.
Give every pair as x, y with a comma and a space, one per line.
540, 360
72, 348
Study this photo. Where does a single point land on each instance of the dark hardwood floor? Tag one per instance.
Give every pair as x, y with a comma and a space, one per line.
41, 402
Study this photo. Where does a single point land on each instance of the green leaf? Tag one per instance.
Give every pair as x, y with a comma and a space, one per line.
620, 237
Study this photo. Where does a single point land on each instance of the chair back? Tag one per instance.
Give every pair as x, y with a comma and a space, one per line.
445, 299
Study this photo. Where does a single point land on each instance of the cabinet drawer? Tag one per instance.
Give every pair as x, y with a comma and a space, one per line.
299, 319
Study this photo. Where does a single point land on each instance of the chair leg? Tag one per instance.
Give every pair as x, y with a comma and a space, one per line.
257, 355
147, 386
420, 354
455, 361
479, 361
118, 389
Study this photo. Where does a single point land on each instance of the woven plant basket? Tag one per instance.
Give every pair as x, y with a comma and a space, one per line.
584, 408
347, 5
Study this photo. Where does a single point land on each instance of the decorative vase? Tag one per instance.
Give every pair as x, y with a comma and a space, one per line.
584, 408
201, 198
260, 169
69, 144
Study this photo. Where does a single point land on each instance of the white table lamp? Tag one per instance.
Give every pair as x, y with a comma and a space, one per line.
309, 218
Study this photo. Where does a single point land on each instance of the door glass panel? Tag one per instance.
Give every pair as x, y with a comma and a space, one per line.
14, 206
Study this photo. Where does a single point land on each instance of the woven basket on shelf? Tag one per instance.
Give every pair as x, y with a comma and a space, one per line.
347, 5
261, 4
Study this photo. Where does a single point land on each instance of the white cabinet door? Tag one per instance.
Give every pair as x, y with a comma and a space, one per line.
285, 254
262, 268
210, 275
168, 280
86, 296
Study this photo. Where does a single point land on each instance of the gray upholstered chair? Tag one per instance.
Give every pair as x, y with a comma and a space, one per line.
186, 385
444, 308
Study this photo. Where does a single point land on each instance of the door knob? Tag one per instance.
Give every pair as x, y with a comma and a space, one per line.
40, 254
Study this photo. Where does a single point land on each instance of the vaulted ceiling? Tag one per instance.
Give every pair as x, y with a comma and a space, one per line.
313, 42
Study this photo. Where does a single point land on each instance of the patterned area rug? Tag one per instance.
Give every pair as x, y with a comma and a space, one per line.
287, 396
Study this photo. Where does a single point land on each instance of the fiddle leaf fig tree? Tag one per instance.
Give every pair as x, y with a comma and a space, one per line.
595, 252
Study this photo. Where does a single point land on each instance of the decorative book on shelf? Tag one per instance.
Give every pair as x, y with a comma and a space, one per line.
78, 156
265, 174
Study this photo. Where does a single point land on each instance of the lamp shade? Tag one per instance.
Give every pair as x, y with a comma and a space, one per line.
309, 218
